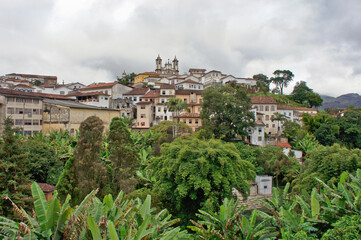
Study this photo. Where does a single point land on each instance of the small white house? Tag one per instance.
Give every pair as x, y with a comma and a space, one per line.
264, 184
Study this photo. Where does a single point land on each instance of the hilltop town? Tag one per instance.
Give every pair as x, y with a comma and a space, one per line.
40, 103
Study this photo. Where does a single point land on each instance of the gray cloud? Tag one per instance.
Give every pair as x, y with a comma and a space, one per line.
93, 40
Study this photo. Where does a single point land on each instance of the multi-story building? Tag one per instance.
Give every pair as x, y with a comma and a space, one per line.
146, 110
194, 100
112, 91
268, 107
139, 78
196, 72
256, 134
97, 99
189, 85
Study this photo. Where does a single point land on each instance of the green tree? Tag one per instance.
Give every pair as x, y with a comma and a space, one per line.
263, 82
281, 79
327, 164
127, 79
348, 227
225, 111
194, 174
86, 171
14, 180
304, 95
42, 164
123, 156
350, 129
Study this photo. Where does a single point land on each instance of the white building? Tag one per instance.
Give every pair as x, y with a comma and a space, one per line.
189, 85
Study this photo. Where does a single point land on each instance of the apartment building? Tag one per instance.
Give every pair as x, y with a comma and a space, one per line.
268, 107
193, 98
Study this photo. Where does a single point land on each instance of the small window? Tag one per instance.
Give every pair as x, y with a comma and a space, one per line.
272, 108
18, 122
19, 111
267, 108
185, 100
62, 92
36, 122
142, 115
267, 117
163, 92
259, 130
142, 107
19, 100
11, 111
273, 125
105, 98
259, 139
27, 100
10, 99
159, 109
261, 108
165, 118
36, 101
196, 121
27, 122
135, 98
190, 121
267, 125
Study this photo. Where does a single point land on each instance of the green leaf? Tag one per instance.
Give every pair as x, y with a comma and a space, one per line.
315, 205
112, 232
40, 205
94, 228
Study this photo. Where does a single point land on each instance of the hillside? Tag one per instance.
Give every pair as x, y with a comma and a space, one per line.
341, 101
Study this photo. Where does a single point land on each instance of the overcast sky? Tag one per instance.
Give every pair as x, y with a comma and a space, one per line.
96, 40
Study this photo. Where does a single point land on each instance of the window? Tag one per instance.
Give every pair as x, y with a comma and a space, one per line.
197, 122
159, 109
62, 92
19, 111
142, 115
259, 130
27, 122
27, 133
106, 91
257, 108
142, 123
36, 122
267, 117
163, 92
185, 120
130, 98
135, 99
267, 108
105, 98
200, 100
290, 114
27, 100
273, 125
36, 101
190, 121
259, 139
185, 100
11, 111
199, 109
28, 111
261, 108
142, 107
165, 118
18, 122
272, 108
10, 99
36, 111
19, 100
162, 100
267, 125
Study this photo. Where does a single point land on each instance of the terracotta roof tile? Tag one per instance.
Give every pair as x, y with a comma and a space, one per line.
187, 92
259, 123
47, 187
77, 93
137, 91
99, 85
285, 107
152, 94
261, 99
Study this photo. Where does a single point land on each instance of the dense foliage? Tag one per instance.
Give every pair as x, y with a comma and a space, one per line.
225, 111
194, 174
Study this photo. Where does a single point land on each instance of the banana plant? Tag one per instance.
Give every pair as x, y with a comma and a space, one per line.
52, 220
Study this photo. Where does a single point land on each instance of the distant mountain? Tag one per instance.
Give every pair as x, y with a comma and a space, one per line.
341, 101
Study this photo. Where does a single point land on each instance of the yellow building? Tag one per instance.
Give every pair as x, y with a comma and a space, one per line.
67, 115
194, 100
141, 76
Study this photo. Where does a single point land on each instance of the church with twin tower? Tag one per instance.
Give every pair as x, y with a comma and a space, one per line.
168, 68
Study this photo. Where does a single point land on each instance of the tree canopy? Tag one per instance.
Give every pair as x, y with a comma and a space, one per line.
225, 111
304, 95
282, 78
194, 174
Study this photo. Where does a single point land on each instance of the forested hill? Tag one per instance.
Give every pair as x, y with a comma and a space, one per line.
341, 101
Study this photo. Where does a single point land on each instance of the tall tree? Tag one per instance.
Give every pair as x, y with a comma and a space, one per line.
122, 155
225, 111
282, 78
14, 182
85, 172
194, 174
127, 79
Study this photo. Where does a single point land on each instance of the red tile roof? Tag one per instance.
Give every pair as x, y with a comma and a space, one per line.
190, 81
285, 107
166, 86
188, 92
32, 94
47, 188
99, 85
77, 93
32, 76
263, 100
259, 123
137, 91
282, 145
152, 94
